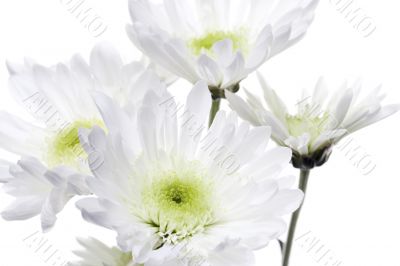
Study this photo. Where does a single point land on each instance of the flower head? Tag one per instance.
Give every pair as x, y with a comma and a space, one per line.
218, 41
318, 123
177, 193
59, 98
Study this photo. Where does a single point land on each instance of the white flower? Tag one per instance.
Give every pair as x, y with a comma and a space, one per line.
96, 253
220, 41
178, 194
319, 122
59, 97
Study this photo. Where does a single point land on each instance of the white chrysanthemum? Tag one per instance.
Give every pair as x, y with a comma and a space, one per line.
177, 195
319, 121
59, 97
220, 41
96, 253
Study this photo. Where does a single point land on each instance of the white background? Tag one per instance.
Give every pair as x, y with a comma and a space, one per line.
353, 216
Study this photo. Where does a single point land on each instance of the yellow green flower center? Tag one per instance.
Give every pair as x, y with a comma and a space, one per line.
207, 41
179, 205
301, 124
65, 147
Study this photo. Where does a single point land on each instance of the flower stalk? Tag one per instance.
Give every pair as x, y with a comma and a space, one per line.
287, 248
216, 103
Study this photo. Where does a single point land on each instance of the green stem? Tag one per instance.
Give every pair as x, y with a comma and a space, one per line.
304, 175
216, 103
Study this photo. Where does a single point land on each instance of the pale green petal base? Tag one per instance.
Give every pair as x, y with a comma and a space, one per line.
179, 204
65, 147
207, 41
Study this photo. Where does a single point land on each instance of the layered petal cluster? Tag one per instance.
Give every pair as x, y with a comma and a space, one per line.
319, 122
59, 98
96, 253
220, 41
179, 194
38, 190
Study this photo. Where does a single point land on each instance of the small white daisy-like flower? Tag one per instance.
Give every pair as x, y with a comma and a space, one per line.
220, 41
96, 253
178, 193
59, 97
319, 122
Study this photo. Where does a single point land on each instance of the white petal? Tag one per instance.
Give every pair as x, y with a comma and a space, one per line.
23, 208
343, 107
279, 156
5, 175
254, 142
299, 144
113, 116
198, 105
320, 93
20, 137
235, 256
242, 108
101, 212
164, 53
224, 52
383, 113
328, 137
279, 131
147, 123
275, 103
285, 202
261, 50
208, 70
236, 71
107, 64
54, 203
